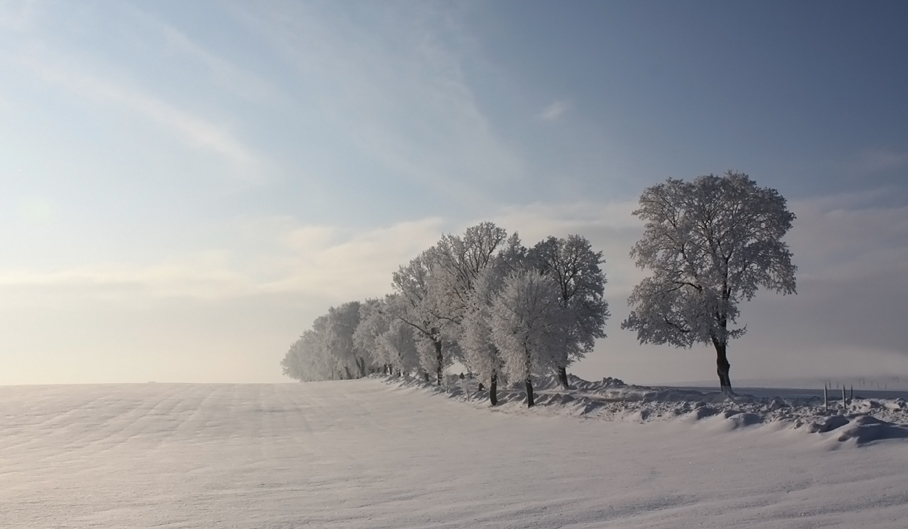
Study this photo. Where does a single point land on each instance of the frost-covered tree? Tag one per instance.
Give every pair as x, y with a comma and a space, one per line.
309, 357
460, 259
374, 320
529, 326
342, 323
399, 345
480, 353
299, 362
710, 244
393, 340
574, 267
416, 294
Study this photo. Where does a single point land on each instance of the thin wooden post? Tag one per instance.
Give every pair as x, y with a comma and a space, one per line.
844, 402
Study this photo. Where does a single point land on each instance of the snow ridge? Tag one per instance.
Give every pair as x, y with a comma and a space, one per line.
857, 422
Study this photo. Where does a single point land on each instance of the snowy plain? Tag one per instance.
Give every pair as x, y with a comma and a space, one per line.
374, 453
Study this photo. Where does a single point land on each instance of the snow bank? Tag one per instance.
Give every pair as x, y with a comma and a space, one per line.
856, 422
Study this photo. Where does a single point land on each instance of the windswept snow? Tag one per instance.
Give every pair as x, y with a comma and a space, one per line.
859, 420
363, 454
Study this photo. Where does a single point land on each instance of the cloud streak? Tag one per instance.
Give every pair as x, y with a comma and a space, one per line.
880, 160
849, 236
193, 131
554, 111
396, 90
288, 258
225, 74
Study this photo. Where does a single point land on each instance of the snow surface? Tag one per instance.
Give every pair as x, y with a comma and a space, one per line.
859, 419
367, 454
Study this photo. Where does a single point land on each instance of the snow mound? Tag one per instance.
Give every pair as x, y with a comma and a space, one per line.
855, 422
863, 429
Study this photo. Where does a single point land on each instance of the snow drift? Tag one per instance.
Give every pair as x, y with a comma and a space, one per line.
857, 421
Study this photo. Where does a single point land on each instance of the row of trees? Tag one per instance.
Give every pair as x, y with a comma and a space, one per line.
505, 311
508, 312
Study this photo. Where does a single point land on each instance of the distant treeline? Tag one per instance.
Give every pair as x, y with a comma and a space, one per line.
504, 311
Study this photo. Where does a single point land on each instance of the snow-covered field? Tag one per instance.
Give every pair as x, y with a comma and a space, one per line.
368, 454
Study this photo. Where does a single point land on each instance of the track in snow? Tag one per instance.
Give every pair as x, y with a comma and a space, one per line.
362, 454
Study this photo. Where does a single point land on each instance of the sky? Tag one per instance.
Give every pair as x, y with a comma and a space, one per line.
186, 186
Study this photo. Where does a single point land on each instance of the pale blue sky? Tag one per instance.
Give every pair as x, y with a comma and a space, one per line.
186, 185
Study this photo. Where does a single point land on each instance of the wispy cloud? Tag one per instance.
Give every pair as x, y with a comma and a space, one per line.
225, 74
194, 131
199, 276
878, 160
333, 262
392, 84
850, 236
554, 110
279, 254
271, 255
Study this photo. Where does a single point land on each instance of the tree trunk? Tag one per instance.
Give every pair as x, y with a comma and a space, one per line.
530, 400
493, 388
723, 367
721, 341
361, 364
440, 359
347, 370
562, 376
